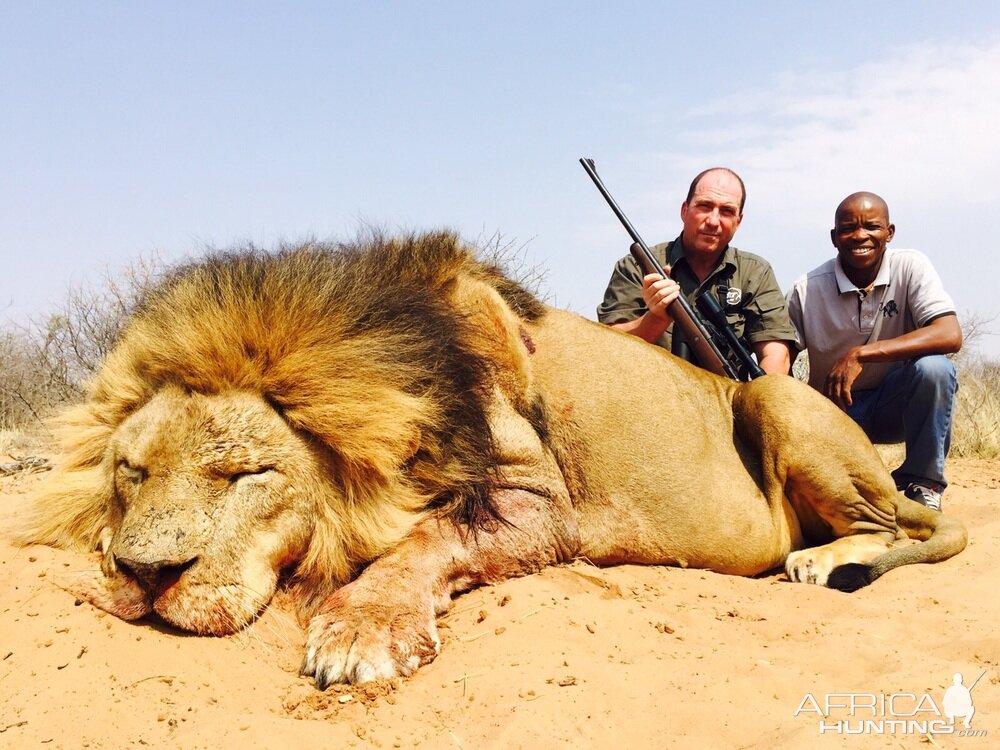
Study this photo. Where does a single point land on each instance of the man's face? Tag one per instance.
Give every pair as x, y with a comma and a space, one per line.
713, 214
860, 234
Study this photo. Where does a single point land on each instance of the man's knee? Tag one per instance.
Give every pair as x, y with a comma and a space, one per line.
936, 369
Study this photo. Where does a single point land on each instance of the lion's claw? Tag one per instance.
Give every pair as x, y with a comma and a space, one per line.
358, 643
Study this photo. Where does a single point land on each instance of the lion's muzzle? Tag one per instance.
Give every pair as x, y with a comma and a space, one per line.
154, 577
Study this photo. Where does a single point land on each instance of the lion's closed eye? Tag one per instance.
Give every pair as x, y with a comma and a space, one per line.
251, 475
133, 474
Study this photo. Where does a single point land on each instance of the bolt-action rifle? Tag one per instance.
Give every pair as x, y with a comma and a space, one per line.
704, 347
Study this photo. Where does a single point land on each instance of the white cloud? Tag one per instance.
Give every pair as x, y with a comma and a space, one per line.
920, 127
917, 127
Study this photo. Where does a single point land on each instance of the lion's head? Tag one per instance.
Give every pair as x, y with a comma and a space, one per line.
214, 494
295, 412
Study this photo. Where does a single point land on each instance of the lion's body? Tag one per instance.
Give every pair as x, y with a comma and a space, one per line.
318, 410
654, 469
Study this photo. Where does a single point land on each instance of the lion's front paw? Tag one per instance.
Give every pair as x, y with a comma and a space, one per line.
809, 566
355, 642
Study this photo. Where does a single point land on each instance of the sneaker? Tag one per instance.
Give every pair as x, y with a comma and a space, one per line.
924, 495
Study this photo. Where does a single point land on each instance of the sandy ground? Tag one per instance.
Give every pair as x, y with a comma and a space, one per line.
579, 657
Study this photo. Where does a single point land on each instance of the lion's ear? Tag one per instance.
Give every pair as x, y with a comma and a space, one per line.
380, 431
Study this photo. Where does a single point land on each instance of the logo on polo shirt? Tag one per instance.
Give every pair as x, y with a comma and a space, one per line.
889, 309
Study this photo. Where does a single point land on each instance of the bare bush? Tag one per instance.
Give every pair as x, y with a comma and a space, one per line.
975, 327
74, 342
48, 363
976, 431
22, 392
512, 258
800, 366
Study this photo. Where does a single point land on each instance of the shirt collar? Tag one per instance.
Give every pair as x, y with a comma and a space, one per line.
676, 255
845, 285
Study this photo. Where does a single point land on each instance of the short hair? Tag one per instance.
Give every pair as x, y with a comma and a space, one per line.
697, 179
863, 195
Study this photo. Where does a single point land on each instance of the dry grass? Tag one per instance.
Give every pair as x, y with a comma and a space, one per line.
10, 442
17, 444
976, 431
977, 414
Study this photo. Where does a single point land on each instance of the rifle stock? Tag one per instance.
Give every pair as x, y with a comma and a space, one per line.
685, 319
695, 333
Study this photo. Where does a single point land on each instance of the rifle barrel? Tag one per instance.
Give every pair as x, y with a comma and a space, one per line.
680, 309
588, 165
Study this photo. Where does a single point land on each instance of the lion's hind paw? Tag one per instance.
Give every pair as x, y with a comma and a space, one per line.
809, 566
843, 564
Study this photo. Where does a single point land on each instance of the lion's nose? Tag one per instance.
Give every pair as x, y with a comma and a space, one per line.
155, 577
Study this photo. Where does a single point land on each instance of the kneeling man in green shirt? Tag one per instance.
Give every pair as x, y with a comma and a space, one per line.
701, 261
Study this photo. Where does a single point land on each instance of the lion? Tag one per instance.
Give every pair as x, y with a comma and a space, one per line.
379, 425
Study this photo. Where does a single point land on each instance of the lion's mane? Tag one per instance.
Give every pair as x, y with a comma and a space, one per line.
355, 344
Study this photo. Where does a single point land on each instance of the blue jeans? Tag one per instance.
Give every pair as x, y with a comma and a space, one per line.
914, 404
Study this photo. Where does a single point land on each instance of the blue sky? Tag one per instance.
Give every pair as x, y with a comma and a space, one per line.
132, 128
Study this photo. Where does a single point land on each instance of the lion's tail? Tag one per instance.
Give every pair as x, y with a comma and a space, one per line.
940, 537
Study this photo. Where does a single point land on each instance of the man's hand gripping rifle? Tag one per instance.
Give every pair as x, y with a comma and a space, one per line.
706, 350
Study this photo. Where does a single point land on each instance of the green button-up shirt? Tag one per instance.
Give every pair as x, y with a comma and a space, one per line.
744, 283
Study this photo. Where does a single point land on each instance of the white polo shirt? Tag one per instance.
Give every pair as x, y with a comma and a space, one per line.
831, 314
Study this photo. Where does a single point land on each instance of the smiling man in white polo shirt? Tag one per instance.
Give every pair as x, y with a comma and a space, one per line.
876, 323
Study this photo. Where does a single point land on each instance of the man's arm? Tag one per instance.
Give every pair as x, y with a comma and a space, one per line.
942, 335
658, 293
773, 357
